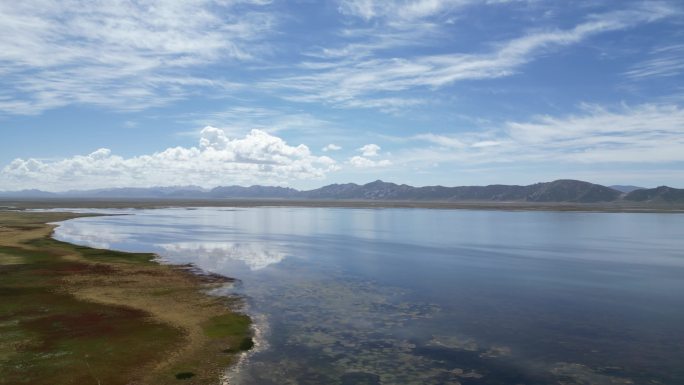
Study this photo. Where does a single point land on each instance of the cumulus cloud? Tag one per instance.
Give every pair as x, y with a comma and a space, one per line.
332, 147
370, 149
258, 157
362, 162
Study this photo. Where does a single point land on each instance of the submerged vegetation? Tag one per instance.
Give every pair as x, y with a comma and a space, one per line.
76, 315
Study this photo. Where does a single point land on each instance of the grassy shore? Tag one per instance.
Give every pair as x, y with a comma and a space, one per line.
77, 315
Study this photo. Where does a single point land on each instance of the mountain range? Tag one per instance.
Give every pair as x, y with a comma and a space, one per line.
564, 190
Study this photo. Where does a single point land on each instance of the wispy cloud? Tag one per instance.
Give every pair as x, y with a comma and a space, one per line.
663, 62
372, 80
238, 119
441, 140
121, 54
257, 157
406, 10
647, 133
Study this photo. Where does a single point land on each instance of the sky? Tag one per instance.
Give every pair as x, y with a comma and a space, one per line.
304, 93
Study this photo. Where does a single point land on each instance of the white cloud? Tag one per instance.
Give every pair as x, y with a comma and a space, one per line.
361, 79
441, 140
370, 149
121, 54
487, 143
403, 9
384, 104
664, 61
366, 9
237, 118
647, 133
362, 162
257, 157
332, 147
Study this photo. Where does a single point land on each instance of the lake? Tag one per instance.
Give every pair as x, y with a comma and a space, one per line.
420, 296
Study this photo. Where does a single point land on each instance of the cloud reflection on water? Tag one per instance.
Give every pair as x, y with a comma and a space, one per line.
74, 232
218, 254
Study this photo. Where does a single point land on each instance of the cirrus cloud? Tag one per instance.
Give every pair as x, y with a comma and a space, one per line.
123, 54
646, 133
363, 76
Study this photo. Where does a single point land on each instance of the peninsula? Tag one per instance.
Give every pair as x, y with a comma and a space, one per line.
78, 315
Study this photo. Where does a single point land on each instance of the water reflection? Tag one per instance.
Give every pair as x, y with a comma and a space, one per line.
217, 256
76, 233
434, 297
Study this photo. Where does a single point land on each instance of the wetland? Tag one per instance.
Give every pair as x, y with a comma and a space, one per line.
80, 315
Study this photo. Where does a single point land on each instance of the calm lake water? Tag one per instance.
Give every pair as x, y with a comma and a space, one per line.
413, 296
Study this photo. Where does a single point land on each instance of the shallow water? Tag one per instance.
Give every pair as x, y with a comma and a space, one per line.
417, 296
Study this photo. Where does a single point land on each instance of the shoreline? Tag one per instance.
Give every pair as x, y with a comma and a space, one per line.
74, 313
140, 203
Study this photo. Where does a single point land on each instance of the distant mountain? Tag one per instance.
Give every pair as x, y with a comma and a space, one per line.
253, 192
28, 194
564, 190
139, 192
377, 190
557, 191
626, 188
659, 194
567, 190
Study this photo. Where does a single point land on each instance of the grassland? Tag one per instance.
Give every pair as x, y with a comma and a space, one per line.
77, 315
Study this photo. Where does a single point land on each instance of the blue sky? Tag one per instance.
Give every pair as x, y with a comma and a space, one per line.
306, 93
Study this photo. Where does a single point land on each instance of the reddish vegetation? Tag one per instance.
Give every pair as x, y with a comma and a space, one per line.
81, 325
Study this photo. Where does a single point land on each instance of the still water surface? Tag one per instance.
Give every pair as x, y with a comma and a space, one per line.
413, 296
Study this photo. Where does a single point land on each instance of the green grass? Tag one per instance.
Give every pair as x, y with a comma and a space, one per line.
184, 375
228, 325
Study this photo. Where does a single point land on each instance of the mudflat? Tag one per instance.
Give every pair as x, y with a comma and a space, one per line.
78, 315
